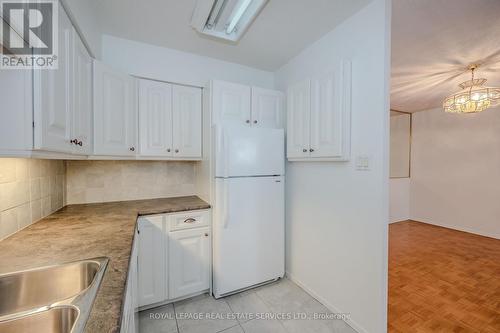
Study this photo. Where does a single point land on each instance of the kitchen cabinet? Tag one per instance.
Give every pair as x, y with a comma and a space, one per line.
174, 258
169, 120
298, 116
155, 118
151, 260
267, 108
231, 103
115, 112
243, 105
319, 117
53, 95
53, 107
189, 257
186, 131
82, 98
130, 316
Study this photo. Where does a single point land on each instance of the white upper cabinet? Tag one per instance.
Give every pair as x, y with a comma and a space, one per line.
319, 116
186, 103
155, 118
53, 94
189, 257
267, 108
298, 118
169, 120
243, 105
82, 103
115, 112
231, 103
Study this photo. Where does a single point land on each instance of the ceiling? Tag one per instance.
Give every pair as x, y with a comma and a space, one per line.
281, 31
433, 42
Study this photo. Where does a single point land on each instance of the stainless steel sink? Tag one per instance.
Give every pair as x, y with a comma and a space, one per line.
44, 286
57, 320
52, 299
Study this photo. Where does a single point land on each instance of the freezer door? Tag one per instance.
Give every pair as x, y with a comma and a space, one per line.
249, 232
249, 151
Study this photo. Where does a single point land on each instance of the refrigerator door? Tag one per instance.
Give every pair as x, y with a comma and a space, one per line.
249, 232
249, 151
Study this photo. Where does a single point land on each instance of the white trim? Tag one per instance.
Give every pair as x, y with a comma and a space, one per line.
453, 227
357, 327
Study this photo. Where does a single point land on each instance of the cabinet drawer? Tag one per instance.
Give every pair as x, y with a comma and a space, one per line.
188, 220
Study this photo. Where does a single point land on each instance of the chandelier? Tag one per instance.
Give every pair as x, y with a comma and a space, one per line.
474, 96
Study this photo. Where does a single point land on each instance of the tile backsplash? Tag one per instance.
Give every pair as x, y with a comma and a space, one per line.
30, 189
102, 181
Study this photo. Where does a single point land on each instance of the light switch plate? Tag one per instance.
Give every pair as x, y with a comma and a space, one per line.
363, 163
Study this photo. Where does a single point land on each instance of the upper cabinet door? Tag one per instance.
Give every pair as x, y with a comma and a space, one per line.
186, 121
53, 95
330, 114
115, 112
298, 118
155, 118
82, 104
231, 103
267, 108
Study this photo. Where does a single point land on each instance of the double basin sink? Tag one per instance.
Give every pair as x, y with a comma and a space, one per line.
52, 299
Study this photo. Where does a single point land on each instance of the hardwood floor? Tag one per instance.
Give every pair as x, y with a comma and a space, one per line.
442, 280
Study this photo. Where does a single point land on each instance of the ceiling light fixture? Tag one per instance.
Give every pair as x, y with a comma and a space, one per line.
238, 13
474, 96
225, 19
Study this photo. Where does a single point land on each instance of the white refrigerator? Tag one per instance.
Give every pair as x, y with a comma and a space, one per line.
249, 209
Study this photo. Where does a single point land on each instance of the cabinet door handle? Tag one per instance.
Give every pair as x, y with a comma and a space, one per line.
206, 234
248, 121
304, 150
190, 220
255, 121
177, 150
132, 148
311, 150
74, 141
80, 143
168, 150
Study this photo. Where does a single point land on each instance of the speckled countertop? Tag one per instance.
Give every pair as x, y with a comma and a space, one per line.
86, 231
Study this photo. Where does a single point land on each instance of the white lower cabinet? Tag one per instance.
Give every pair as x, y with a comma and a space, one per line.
130, 316
152, 263
189, 258
173, 256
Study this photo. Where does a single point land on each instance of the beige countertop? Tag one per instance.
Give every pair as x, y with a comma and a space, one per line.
78, 232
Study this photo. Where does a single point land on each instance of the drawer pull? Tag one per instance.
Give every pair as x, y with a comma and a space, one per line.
190, 220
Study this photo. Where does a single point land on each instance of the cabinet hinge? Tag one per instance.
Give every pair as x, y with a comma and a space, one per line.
33, 123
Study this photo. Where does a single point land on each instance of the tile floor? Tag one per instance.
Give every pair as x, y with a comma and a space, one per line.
244, 312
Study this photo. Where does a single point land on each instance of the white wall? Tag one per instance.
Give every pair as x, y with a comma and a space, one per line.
399, 194
337, 217
400, 145
86, 16
455, 180
176, 66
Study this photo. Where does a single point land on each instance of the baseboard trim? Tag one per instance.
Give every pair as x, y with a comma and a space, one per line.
356, 326
452, 227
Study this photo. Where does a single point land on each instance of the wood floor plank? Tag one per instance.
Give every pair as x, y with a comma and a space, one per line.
442, 280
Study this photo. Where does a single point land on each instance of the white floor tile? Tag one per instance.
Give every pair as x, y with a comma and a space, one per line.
247, 305
283, 296
158, 320
263, 326
205, 306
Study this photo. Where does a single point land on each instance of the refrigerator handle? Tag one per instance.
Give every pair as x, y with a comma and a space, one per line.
226, 204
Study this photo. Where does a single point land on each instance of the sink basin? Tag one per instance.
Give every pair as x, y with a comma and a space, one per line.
44, 286
55, 320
